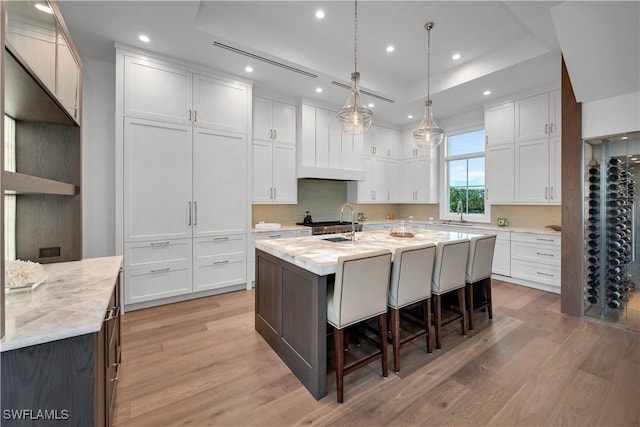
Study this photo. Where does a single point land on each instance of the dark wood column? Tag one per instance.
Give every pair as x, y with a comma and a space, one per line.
572, 199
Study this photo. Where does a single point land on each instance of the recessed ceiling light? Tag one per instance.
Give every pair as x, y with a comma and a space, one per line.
371, 105
624, 137
409, 116
318, 90
634, 158
320, 14
390, 48
456, 56
144, 38
44, 8
486, 92
248, 69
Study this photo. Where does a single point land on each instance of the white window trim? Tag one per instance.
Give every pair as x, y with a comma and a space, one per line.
445, 215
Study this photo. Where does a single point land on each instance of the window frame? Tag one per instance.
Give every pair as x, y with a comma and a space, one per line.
445, 215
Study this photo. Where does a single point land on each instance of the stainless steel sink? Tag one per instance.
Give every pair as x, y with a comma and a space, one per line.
464, 224
337, 239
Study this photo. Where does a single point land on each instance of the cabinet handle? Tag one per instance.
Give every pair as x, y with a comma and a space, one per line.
114, 313
486, 139
486, 194
221, 238
109, 315
543, 254
275, 236
195, 116
275, 134
226, 261
159, 270
113, 380
388, 152
270, 133
160, 243
544, 274
546, 129
275, 193
271, 193
546, 193
189, 213
195, 213
189, 115
551, 193
551, 128
544, 240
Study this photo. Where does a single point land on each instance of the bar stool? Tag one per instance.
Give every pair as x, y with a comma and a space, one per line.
411, 284
479, 267
359, 293
448, 276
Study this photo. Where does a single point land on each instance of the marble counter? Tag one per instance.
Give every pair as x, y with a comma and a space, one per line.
72, 302
475, 226
282, 228
320, 256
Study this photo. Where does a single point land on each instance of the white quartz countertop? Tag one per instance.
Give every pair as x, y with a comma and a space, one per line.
476, 226
72, 302
320, 256
282, 228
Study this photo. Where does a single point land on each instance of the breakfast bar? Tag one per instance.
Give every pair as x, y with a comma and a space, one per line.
291, 291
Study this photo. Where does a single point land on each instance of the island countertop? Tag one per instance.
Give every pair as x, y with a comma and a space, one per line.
72, 302
319, 256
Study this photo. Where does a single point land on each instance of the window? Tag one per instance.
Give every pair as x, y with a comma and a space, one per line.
464, 177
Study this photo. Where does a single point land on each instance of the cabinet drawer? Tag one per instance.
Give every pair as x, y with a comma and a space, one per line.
500, 235
162, 282
275, 234
152, 254
543, 254
219, 246
544, 239
547, 274
212, 274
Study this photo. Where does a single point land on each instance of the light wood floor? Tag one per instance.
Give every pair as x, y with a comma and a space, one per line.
202, 363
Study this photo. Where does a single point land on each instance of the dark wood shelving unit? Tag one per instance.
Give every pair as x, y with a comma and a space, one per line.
19, 183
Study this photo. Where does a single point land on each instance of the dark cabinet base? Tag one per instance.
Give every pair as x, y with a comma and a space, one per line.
291, 315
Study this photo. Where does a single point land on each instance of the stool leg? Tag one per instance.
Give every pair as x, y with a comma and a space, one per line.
338, 340
469, 289
382, 331
395, 337
426, 310
489, 302
463, 322
437, 317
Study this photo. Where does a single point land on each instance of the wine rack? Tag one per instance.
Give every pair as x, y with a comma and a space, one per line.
608, 233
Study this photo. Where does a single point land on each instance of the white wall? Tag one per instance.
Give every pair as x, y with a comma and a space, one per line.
98, 158
610, 116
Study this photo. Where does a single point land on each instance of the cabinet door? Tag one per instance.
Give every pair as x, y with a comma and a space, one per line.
67, 77
220, 183
285, 182
378, 141
262, 128
156, 91
322, 138
219, 104
157, 180
532, 171
408, 181
262, 172
394, 144
393, 180
502, 258
308, 143
335, 142
500, 176
284, 122
151, 284
555, 170
422, 179
378, 179
532, 117
555, 113
365, 188
499, 124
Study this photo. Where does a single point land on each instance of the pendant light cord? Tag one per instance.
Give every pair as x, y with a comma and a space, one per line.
429, 62
355, 36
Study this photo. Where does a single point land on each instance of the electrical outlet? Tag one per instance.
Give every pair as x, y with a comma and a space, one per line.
49, 252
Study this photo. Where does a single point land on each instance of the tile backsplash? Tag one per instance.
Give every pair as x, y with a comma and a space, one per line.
324, 198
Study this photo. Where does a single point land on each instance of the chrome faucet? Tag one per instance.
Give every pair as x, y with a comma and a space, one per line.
459, 210
353, 220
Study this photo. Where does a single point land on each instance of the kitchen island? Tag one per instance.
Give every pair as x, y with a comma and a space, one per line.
291, 292
60, 357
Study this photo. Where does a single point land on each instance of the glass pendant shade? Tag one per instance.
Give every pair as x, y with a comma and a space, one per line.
354, 118
428, 134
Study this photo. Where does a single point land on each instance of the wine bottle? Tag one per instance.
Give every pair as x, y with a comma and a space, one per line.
593, 252
616, 304
593, 292
592, 300
592, 260
594, 171
614, 295
614, 161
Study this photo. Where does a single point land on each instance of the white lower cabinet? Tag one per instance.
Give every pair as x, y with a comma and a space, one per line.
536, 258
268, 235
147, 284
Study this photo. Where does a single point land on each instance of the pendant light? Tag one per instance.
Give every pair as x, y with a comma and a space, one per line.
428, 134
354, 117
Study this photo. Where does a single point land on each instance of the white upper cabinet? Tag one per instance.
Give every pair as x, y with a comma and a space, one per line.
394, 144
499, 173
532, 171
219, 104
499, 124
383, 142
274, 121
159, 91
274, 173
538, 116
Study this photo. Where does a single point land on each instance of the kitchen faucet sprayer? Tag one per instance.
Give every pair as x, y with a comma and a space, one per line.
459, 210
353, 220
